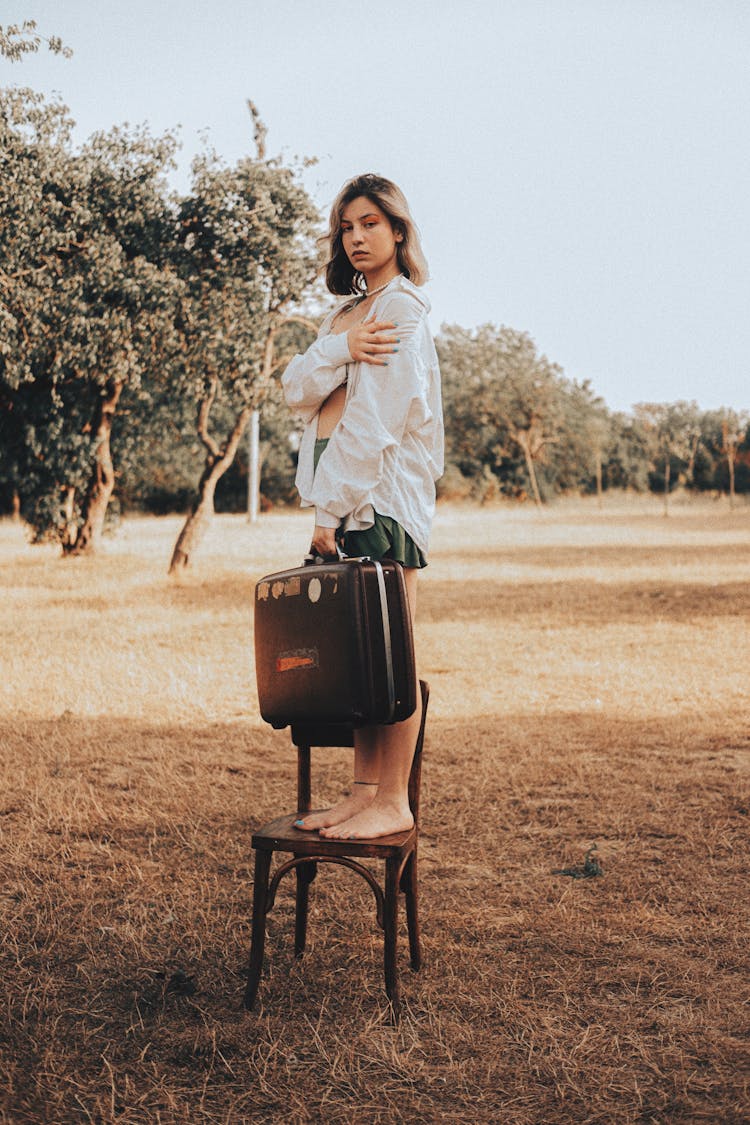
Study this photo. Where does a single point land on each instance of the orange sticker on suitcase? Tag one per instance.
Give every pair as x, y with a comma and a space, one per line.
302, 658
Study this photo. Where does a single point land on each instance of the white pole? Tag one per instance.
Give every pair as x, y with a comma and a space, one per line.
253, 467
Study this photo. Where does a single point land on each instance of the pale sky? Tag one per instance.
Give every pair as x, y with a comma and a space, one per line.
579, 169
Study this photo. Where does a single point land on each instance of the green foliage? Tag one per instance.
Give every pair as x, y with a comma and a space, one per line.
245, 251
155, 449
514, 420
723, 457
626, 463
87, 298
584, 436
515, 425
45, 440
236, 293
671, 432
17, 40
110, 285
161, 457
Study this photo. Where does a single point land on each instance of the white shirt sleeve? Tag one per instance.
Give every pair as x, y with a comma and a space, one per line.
384, 403
310, 378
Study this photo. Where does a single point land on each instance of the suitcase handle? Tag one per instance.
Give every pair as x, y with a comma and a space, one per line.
314, 558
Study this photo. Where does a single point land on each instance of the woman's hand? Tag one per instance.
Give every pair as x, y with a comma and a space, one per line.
370, 340
324, 541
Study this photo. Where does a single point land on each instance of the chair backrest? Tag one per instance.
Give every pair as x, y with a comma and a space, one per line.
305, 736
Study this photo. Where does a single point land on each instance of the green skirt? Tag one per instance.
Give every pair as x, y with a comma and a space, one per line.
386, 539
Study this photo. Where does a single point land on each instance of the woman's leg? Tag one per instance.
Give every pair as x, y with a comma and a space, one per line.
366, 775
382, 761
384, 754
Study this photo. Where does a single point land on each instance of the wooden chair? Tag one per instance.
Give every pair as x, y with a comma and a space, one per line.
399, 852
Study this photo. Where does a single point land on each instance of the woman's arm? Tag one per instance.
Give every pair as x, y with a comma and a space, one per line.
310, 378
389, 399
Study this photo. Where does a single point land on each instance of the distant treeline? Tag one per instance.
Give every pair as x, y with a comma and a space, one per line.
516, 427
139, 330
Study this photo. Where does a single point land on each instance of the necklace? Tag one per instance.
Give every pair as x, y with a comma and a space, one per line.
380, 288
370, 293
359, 297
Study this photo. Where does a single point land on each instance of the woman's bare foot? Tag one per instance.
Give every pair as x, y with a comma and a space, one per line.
379, 818
358, 800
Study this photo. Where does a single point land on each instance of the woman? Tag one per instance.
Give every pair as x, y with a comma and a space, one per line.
368, 390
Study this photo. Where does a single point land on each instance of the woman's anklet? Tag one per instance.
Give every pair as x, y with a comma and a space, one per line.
367, 783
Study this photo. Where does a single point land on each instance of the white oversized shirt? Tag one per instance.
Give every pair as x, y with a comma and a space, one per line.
386, 451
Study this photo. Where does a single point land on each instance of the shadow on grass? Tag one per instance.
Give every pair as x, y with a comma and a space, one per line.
617, 556
126, 900
588, 602
585, 602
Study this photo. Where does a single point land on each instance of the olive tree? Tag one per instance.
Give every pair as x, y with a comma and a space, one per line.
247, 255
87, 304
502, 404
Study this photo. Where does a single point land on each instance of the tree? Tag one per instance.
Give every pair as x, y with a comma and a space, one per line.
672, 430
246, 255
733, 433
86, 304
577, 459
501, 399
38, 215
626, 461
131, 300
725, 436
598, 427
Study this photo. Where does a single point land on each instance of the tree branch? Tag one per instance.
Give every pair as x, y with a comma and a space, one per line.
260, 130
293, 318
203, 412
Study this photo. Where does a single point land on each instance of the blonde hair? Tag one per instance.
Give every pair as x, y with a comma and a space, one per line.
341, 276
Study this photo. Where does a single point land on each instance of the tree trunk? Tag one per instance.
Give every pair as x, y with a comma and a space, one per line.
69, 528
16, 509
253, 468
219, 459
523, 442
667, 474
102, 481
691, 460
198, 521
598, 471
730, 463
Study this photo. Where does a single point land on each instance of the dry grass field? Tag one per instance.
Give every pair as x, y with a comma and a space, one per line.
590, 685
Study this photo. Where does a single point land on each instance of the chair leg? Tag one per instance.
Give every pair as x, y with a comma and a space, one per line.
260, 907
410, 889
306, 872
390, 924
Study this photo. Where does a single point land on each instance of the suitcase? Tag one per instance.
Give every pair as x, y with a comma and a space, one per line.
333, 644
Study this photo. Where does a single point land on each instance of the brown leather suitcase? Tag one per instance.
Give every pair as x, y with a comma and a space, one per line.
333, 644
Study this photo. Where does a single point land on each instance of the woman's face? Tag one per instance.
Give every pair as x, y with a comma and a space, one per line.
368, 238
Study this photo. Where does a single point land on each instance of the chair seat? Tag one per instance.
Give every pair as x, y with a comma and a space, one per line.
281, 835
